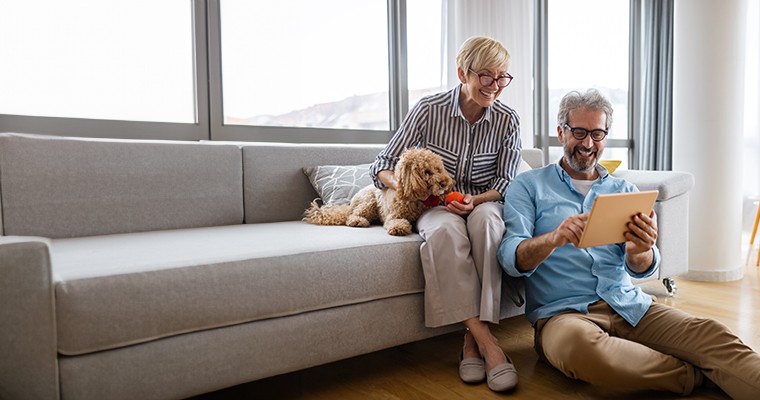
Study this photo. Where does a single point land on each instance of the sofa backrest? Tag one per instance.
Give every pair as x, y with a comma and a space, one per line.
534, 157
276, 189
70, 187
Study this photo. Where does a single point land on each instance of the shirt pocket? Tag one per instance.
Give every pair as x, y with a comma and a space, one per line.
450, 159
484, 168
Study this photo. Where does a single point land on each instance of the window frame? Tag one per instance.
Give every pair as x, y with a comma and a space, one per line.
121, 129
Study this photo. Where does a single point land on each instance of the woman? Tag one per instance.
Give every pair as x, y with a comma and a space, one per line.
478, 139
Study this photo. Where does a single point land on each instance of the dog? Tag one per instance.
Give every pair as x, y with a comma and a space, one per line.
419, 173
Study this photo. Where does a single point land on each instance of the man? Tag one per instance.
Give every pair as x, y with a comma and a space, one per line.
590, 322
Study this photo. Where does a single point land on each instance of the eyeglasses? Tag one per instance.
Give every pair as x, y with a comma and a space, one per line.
486, 80
597, 135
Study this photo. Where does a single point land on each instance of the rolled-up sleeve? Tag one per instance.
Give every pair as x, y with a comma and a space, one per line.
409, 135
519, 219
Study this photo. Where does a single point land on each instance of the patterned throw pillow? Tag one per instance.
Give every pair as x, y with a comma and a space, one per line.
337, 184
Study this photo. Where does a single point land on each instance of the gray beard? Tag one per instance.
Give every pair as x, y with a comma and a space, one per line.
575, 165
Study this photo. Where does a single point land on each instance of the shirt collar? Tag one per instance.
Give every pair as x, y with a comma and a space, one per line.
603, 174
456, 111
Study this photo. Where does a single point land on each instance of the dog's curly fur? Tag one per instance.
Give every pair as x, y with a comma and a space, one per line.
419, 172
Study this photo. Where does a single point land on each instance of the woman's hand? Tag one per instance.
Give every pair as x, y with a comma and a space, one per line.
388, 178
463, 208
469, 202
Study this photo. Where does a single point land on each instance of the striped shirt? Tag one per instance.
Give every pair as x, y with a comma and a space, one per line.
480, 157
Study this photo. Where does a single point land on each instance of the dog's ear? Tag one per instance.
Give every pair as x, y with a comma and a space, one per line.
408, 177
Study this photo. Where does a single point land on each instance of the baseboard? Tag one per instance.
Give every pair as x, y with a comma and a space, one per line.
715, 276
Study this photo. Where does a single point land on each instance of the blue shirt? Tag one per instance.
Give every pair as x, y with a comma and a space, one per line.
570, 278
480, 156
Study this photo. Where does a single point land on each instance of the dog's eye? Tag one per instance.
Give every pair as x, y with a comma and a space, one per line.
427, 172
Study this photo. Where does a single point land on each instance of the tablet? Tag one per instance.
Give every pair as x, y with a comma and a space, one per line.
610, 214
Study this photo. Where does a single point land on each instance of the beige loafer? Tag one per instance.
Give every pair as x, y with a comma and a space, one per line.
503, 376
471, 370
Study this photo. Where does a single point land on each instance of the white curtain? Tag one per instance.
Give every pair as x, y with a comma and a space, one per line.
511, 23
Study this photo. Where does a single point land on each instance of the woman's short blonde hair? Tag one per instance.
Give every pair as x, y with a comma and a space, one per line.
481, 52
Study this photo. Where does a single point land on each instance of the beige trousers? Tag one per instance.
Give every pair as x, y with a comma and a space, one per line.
462, 274
659, 353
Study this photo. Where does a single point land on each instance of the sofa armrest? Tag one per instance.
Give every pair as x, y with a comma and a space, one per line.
672, 209
28, 355
669, 183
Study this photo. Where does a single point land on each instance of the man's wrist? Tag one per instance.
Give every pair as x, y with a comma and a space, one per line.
640, 262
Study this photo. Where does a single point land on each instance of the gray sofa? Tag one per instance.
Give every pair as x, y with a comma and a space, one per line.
149, 269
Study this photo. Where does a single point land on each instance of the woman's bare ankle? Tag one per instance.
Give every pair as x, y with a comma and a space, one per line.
471, 349
494, 356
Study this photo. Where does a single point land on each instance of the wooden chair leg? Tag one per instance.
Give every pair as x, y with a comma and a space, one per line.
754, 227
752, 239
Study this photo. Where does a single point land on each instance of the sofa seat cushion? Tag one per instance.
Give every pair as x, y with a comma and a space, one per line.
118, 290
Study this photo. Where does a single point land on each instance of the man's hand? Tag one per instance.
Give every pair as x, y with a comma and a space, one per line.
532, 252
641, 239
643, 234
570, 230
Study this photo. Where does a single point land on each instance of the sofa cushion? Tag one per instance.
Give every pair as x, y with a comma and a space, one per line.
71, 187
117, 290
275, 187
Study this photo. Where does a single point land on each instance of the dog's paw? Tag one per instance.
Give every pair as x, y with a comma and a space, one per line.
398, 227
355, 220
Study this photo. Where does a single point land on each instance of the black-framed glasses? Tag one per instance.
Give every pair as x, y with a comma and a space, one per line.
486, 80
597, 135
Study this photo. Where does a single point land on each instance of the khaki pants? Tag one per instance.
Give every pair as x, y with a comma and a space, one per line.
659, 353
462, 274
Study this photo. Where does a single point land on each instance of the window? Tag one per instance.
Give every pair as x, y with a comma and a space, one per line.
588, 47
425, 63
304, 63
98, 59
332, 71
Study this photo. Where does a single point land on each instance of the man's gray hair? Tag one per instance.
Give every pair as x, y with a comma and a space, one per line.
591, 99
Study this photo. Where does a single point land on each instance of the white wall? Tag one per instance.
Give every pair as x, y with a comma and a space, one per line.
708, 109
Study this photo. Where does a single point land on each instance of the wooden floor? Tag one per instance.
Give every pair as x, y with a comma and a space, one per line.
428, 369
